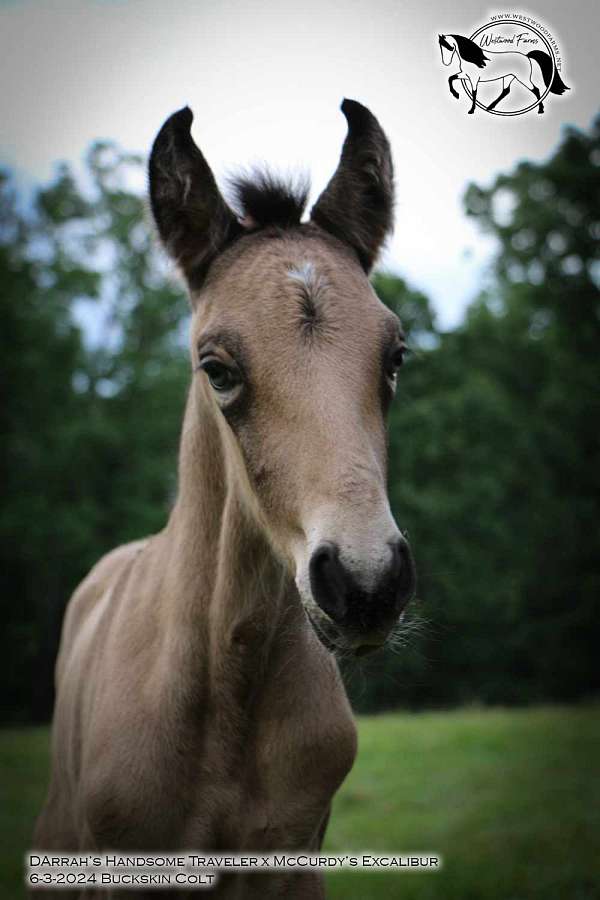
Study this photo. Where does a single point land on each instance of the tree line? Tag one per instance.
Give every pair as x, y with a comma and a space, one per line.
494, 436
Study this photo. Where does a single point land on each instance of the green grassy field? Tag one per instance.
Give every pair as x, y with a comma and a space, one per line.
510, 799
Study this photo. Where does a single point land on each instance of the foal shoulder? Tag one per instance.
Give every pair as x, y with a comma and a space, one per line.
96, 589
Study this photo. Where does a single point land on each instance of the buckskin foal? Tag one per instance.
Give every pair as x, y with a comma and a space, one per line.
198, 702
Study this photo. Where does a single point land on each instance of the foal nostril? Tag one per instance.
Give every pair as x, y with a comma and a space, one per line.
403, 571
336, 590
327, 581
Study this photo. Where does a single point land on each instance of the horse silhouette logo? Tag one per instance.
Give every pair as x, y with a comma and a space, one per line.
525, 59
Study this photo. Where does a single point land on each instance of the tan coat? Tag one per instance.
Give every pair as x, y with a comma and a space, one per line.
196, 705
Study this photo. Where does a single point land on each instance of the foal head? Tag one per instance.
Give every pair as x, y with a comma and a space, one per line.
297, 359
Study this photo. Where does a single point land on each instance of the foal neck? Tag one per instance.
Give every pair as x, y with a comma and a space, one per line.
233, 587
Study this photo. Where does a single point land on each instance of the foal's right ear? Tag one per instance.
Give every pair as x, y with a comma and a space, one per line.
192, 218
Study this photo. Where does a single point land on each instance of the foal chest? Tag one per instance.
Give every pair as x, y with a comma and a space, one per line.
299, 747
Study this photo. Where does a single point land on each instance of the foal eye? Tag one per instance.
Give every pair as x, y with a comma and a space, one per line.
395, 360
398, 357
220, 376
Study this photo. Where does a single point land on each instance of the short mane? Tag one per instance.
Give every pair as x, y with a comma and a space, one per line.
262, 198
469, 51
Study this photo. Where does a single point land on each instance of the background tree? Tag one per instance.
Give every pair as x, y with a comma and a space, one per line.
90, 416
495, 454
546, 218
494, 448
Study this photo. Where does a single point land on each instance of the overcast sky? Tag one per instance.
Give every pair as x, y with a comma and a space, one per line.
265, 79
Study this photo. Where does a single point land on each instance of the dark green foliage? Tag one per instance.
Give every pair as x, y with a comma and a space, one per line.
495, 456
494, 451
90, 430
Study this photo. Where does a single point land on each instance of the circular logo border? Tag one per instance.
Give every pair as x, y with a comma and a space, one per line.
519, 112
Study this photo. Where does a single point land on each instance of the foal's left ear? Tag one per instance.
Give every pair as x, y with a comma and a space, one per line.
192, 218
357, 204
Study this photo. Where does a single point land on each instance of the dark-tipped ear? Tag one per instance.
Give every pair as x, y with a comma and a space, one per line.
357, 204
193, 220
